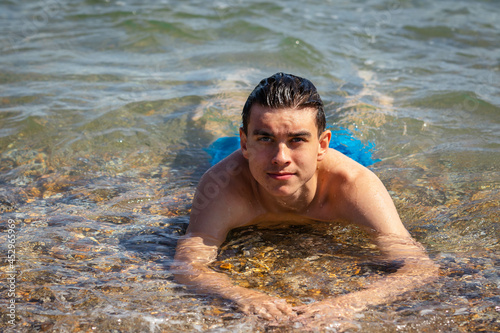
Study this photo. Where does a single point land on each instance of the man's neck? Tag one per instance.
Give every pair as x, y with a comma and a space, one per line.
295, 203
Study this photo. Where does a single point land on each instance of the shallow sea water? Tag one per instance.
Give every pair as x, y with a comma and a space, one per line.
106, 108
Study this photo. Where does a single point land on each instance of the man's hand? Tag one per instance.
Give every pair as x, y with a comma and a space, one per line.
264, 306
329, 309
332, 313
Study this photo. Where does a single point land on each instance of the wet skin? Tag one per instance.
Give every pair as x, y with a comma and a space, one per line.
285, 173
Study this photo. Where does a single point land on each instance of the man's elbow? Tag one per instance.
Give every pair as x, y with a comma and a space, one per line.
187, 271
421, 270
182, 269
431, 270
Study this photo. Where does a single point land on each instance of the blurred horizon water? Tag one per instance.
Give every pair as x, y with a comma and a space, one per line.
106, 111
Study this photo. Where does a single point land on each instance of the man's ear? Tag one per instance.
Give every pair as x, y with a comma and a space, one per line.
243, 143
324, 143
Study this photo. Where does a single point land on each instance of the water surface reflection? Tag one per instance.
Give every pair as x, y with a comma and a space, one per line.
106, 107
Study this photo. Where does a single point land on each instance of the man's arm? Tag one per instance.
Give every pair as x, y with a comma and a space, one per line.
193, 256
208, 227
368, 204
416, 270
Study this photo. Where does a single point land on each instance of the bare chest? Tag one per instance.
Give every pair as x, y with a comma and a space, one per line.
312, 215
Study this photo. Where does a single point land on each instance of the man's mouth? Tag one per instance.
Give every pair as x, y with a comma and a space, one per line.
280, 175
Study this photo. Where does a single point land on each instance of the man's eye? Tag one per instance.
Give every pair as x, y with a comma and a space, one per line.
298, 140
264, 139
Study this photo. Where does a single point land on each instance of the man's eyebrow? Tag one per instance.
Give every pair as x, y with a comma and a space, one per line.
301, 133
261, 132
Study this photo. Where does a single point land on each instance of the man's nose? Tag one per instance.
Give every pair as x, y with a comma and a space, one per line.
281, 155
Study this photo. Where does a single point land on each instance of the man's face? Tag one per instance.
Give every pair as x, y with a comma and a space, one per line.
283, 149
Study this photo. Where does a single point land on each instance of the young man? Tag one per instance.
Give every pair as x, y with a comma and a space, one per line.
285, 173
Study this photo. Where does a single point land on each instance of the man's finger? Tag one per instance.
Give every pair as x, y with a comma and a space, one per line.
274, 312
285, 308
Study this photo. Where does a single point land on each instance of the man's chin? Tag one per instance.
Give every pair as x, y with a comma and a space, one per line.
281, 192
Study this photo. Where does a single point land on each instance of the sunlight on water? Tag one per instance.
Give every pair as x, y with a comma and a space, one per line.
107, 109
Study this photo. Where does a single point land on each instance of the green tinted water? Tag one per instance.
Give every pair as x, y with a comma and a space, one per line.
106, 106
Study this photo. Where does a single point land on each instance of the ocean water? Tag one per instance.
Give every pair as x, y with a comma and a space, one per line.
107, 108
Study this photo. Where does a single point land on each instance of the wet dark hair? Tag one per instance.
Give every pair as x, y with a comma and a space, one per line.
285, 91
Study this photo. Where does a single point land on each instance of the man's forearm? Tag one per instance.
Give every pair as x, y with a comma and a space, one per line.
417, 269
191, 267
204, 280
412, 275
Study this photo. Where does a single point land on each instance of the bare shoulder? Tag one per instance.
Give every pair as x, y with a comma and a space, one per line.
344, 171
223, 198
361, 196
